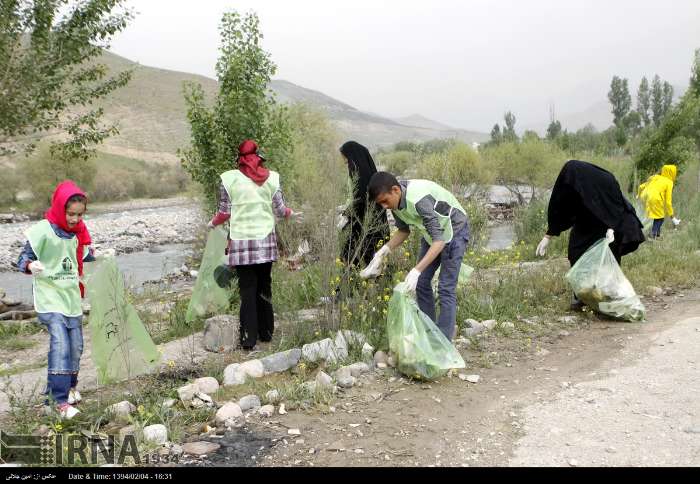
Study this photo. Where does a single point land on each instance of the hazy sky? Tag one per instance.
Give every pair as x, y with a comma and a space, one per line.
459, 62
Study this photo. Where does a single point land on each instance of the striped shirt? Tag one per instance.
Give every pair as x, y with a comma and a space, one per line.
249, 252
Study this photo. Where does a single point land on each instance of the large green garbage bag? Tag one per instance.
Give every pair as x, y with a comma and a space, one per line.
121, 345
422, 351
208, 297
598, 281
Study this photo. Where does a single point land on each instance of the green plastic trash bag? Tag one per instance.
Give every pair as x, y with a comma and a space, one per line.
208, 297
465, 272
598, 281
422, 351
121, 345
642, 215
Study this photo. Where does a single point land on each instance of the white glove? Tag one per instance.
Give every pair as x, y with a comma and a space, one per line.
610, 236
342, 222
297, 216
36, 267
542, 247
374, 268
211, 225
676, 221
412, 280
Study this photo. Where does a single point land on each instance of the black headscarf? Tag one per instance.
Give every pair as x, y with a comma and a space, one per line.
361, 167
589, 200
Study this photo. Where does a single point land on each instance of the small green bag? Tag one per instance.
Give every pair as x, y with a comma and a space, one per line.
208, 296
422, 351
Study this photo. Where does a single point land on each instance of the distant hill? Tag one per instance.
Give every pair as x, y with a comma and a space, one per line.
151, 115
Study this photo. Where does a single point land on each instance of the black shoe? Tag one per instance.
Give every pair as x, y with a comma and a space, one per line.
577, 306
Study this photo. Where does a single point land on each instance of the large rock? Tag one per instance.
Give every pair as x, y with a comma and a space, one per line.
121, 410
353, 338
228, 411
201, 400
343, 376
207, 384
325, 350
221, 333
324, 380
381, 358
186, 393
249, 402
155, 434
236, 373
283, 361
130, 430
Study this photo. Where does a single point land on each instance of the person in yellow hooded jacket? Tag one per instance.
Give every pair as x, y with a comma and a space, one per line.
657, 195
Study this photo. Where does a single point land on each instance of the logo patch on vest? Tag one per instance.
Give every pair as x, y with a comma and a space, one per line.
67, 264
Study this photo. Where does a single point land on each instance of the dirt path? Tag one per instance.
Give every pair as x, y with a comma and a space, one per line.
607, 394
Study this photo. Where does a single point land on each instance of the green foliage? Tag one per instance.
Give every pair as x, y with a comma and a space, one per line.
530, 164
10, 185
243, 109
644, 101
695, 75
553, 130
588, 140
398, 162
675, 140
43, 170
458, 168
509, 134
496, 135
620, 99
50, 77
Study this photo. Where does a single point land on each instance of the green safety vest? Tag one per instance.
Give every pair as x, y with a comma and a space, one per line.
56, 289
252, 217
415, 191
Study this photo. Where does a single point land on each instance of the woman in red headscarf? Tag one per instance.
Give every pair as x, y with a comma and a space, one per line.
54, 254
250, 198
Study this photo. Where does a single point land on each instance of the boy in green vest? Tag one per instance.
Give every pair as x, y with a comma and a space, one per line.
437, 215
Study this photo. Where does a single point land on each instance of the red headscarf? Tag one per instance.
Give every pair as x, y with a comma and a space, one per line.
250, 163
57, 216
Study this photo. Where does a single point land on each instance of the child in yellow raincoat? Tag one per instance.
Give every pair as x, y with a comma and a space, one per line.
657, 195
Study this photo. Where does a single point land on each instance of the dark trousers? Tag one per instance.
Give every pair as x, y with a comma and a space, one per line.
656, 228
257, 318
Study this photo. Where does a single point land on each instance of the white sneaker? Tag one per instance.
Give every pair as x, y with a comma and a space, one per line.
74, 397
68, 412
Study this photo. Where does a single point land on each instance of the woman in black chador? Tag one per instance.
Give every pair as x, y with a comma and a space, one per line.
587, 199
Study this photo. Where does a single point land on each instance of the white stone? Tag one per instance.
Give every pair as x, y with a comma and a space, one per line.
200, 448
325, 350
169, 403
323, 380
121, 410
380, 357
236, 373
156, 434
207, 384
273, 396
294, 432
367, 351
472, 378
221, 333
282, 410
186, 393
249, 402
267, 411
229, 410
489, 323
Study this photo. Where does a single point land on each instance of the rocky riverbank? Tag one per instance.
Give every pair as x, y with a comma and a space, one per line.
135, 229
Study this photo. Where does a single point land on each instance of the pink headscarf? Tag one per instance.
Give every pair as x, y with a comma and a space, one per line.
250, 163
57, 216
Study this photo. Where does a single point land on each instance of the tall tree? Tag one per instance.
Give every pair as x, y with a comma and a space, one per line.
644, 101
620, 100
49, 57
668, 97
657, 100
554, 128
695, 74
243, 109
496, 136
509, 129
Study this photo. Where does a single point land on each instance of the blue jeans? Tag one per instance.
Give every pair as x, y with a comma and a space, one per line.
449, 261
65, 350
656, 228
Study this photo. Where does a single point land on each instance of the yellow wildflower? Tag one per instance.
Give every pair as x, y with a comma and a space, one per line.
386, 298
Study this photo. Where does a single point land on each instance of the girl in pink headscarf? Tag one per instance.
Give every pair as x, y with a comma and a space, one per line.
54, 253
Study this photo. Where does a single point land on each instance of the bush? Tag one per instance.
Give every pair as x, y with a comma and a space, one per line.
9, 186
458, 168
397, 162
